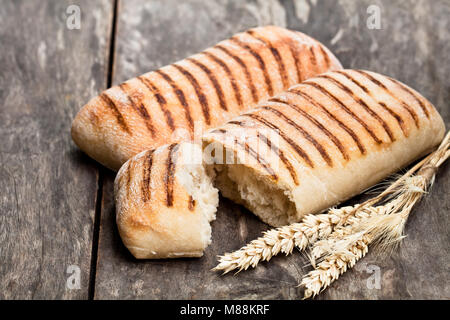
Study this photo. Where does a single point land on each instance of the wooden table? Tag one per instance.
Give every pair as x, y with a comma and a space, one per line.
56, 205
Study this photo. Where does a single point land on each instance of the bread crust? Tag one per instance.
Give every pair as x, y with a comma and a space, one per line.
332, 137
205, 89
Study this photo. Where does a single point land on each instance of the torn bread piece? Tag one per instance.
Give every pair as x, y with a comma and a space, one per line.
320, 143
165, 203
166, 105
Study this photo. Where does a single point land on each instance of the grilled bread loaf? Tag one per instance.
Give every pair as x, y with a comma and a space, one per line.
320, 143
164, 203
205, 90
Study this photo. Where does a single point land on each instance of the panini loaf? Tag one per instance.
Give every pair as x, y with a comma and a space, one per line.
320, 143
205, 90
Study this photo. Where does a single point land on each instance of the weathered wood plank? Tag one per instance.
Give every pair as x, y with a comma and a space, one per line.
411, 46
47, 186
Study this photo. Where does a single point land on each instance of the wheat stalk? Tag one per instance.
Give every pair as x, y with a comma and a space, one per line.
382, 227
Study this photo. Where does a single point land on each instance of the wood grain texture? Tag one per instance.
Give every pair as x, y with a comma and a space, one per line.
47, 186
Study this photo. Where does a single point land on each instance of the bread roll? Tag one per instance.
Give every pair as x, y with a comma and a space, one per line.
320, 143
165, 202
205, 90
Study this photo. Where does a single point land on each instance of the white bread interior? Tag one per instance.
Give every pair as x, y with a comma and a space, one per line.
198, 184
270, 202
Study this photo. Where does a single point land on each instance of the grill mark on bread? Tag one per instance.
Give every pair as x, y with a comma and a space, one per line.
117, 114
236, 122
381, 85
161, 101
213, 80
281, 155
198, 91
312, 57
331, 136
249, 150
191, 204
397, 117
307, 135
277, 56
344, 107
394, 114
272, 147
140, 109
298, 65
359, 84
93, 117
247, 73
258, 158
325, 56
146, 174
170, 174
294, 145
317, 104
180, 95
361, 102
261, 63
411, 93
236, 89
128, 176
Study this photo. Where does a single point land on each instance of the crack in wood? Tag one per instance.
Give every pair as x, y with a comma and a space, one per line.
101, 175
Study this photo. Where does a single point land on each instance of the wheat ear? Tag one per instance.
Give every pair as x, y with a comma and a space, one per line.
333, 265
